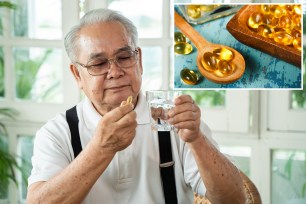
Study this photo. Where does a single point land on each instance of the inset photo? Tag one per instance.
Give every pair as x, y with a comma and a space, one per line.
249, 46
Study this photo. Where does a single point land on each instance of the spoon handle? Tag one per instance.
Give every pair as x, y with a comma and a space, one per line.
188, 30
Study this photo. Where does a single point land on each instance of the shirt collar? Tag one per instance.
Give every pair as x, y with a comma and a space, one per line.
92, 117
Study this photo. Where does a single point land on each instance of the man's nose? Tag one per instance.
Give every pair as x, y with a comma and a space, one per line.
114, 70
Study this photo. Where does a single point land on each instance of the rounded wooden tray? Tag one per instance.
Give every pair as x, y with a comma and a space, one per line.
238, 27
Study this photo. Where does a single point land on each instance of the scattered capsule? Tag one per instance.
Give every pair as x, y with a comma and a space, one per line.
194, 11
283, 38
225, 67
223, 53
189, 76
297, 9
265, 31
277, 11
183, 48
179, 37
284, 22
297, 43
265, 8
295, 33
270, 20
278, 29
209, 61
208, 7
255, 20
287, 7
296, 19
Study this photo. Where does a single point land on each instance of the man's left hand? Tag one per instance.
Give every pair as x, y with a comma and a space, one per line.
185, 116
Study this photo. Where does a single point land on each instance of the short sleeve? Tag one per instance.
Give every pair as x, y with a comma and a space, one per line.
52, 150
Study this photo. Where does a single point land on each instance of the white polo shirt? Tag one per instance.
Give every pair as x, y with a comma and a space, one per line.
133, 175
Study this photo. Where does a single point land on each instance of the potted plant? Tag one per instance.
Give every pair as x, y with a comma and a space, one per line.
8, 163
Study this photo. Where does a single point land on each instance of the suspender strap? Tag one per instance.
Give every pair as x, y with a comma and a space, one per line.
165, 154
167, 167
73, 122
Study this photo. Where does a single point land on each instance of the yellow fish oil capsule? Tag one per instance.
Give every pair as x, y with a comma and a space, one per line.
190, 77
194, 11
129, 99
297, 9
296, 20
284, 22
295, 33
223, 53
209, 61
270, 20
255, 20
265, 8
287, 7
283, 38
183, 48
225, 67
208, 7
277, 11
265, 31
179, 37
297, 44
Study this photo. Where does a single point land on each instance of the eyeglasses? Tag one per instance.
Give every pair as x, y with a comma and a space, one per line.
100, 66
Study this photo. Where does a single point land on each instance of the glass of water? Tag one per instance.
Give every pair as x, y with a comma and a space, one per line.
160, 102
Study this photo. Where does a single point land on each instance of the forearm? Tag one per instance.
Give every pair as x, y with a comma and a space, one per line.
220, 176
75, 181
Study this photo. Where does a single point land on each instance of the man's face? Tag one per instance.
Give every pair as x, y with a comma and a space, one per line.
105, 41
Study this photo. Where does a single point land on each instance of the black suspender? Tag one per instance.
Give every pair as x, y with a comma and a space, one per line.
167, 167
165, 154
73, 122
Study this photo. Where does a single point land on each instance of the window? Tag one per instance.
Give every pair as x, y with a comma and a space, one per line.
25, 143
240, 155
34, 76
153, 24
288, 176
221, 111
33, 64
38, 74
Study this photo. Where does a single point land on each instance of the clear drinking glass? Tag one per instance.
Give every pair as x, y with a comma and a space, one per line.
160, 102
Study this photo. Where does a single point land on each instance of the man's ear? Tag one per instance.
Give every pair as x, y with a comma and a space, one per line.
75, 71
140, 59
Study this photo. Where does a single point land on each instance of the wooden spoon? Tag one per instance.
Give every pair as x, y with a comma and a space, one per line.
204, 46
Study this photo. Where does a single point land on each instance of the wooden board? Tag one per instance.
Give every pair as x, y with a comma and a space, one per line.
238, 27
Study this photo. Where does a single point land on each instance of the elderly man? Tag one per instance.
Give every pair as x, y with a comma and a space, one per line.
119, 161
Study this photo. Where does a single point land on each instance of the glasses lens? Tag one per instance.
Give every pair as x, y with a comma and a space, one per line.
100, 67
126, 59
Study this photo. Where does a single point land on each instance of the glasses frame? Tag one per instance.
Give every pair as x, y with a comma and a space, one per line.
110, 61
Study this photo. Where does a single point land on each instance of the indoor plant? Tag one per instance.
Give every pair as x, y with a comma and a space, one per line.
8, 162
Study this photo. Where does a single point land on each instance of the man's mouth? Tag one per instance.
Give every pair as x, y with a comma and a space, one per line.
117, 87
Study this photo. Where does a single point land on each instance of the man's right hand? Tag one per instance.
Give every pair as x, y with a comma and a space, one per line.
117, 129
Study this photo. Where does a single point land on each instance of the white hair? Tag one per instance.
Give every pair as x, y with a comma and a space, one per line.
94, 17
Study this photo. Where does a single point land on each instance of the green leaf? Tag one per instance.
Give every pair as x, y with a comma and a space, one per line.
7, 167
304, 190
27, 70
8, 4
288, 165
3, 130
8, 112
